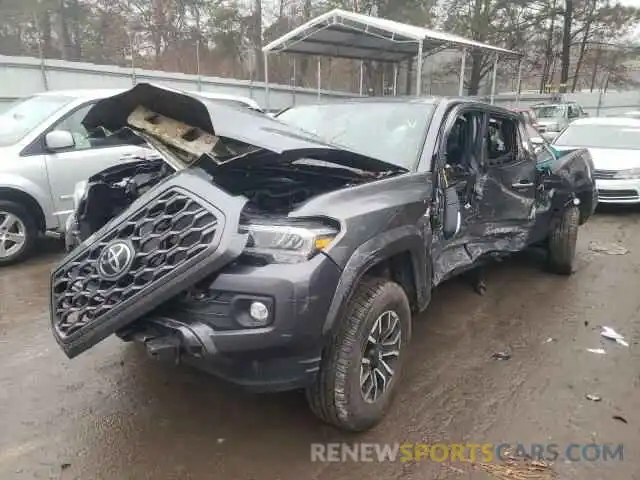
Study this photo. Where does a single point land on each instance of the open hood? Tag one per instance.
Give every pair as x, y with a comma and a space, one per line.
200, 123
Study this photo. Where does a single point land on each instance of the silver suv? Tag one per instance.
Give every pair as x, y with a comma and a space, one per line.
45, 151
555, 117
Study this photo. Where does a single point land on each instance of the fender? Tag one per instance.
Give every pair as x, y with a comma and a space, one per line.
42, 198
408, 238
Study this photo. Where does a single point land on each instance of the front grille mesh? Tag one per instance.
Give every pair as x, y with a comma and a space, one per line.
172, 229
625, 194
604, 174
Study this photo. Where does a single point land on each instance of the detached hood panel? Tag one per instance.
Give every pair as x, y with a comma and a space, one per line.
223, 121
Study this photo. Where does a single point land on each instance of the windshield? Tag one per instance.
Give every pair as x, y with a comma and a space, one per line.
393, 132
601, 136
26, 114
549, 111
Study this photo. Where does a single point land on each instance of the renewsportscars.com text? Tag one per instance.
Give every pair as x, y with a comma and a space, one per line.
464, 452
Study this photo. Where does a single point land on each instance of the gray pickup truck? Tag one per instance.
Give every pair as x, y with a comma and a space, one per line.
290, 252
45, 152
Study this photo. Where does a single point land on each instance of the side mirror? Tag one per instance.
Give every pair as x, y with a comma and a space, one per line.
59, 140
452, 216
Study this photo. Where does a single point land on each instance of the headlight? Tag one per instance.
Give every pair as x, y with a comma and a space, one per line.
629, 174
78, 193
288, 243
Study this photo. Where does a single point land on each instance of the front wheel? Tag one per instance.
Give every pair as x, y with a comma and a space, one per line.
18, 232
362, 366
562, 242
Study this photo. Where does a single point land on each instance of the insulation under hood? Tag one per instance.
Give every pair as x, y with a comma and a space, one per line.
202, 124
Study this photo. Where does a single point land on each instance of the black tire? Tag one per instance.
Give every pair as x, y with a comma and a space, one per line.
562, 242
30, 231
336, 396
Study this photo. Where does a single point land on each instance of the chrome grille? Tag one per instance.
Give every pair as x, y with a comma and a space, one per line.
618, 194
604, 174
169, 231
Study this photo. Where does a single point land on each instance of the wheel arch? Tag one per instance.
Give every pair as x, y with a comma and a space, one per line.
27, 201
399, 255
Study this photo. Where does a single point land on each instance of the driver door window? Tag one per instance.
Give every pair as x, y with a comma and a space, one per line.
502, 141
73, 123
463, 161
573, 111
83, 138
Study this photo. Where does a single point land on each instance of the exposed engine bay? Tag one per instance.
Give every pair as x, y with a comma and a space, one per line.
274, 183
272, 190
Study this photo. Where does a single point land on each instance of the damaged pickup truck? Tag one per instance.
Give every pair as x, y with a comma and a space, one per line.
291, 252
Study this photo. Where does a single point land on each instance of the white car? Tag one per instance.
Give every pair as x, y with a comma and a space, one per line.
614, 144
45, 151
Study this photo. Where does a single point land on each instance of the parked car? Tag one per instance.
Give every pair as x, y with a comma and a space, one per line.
553, 118
614, 145
45, 152
266, 255
530, 118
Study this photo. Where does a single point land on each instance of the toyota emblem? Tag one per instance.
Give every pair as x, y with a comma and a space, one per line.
115, 260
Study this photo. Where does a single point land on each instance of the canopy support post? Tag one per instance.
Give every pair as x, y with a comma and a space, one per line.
383, 80
266, 81
419, 70
295, 80
493, 80
463, 65
319, 78
361, 76
519, 81
395, 79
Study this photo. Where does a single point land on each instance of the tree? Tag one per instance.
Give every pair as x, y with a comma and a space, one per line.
230, 34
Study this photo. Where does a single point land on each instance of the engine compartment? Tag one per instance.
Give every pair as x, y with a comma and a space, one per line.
277, 190
272, 189
111, 191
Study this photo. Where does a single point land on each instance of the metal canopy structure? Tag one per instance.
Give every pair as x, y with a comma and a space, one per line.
343, 34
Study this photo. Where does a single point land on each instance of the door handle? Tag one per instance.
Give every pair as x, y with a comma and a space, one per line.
523, 184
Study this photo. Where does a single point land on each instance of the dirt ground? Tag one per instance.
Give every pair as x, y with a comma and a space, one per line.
114, 414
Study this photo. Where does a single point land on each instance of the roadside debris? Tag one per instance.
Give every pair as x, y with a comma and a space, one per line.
599, 351
549, 340
611, 334
620, 419
518, 468
64, 466
608, 248
501, 356
593, 398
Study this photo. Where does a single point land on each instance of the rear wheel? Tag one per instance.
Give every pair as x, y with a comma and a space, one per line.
362, 366
18, 232
562, 242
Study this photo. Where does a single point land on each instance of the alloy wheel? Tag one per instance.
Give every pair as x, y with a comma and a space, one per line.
381, 354
13, 234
